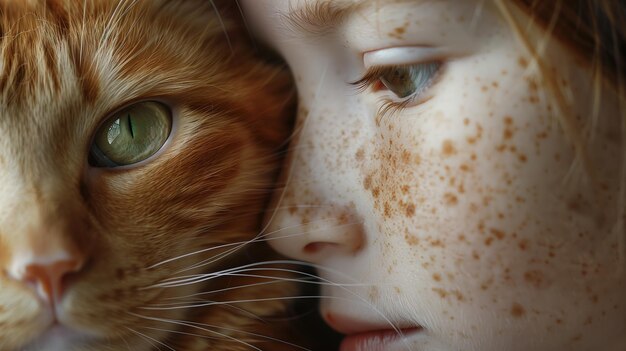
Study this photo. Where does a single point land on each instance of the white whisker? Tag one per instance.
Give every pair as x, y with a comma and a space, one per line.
194, 326
150, 339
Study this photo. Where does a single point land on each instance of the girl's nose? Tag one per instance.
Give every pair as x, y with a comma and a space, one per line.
319, 234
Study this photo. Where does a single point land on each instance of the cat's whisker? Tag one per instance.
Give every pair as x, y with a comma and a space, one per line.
273, 278
229, 303
183, 333
219, 18
242, 268
261, 238
213, 274
297, 263
238, 331
186, 324
258, 238
150, 339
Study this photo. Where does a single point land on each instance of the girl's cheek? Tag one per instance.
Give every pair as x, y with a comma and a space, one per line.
485, 180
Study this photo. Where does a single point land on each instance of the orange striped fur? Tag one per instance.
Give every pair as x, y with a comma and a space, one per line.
65, 65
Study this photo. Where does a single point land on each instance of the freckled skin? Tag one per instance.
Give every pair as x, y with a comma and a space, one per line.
472, 204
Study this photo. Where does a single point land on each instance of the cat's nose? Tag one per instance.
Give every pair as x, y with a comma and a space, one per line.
46, 274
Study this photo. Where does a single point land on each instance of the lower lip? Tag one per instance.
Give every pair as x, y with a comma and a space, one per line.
379, 340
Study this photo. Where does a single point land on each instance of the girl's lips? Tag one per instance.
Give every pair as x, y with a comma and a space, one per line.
377, 340
367, 336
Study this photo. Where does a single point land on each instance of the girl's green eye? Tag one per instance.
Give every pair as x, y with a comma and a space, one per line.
131, 135
405, 81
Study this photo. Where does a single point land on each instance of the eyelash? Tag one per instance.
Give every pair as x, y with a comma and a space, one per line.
372, 79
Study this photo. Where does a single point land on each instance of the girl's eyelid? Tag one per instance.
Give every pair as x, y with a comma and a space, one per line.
400, 56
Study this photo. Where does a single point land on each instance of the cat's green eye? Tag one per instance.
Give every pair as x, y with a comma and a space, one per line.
131, 135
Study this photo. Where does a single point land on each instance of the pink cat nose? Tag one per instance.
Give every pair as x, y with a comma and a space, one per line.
47, 275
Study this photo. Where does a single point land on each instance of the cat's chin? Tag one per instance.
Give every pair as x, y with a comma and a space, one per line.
57, 338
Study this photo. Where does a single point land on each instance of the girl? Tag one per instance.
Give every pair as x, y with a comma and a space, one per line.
457, 175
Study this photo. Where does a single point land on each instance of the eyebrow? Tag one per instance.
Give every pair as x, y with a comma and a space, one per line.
321, 17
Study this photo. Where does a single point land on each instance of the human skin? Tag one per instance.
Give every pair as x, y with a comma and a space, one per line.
470, 212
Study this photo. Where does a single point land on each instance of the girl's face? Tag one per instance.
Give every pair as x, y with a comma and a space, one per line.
443, 195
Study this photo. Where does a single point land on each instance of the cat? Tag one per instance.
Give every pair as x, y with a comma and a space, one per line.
139, 140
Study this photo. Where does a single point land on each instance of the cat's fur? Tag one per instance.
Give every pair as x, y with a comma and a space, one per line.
64, 66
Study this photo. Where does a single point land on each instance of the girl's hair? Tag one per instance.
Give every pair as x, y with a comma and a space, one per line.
595, 32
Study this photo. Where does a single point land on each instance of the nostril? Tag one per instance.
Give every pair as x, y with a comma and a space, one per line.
315, 247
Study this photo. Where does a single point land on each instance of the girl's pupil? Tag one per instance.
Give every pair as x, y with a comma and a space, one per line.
401, 81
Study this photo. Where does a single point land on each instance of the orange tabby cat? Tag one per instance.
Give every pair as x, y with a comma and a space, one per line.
138, 143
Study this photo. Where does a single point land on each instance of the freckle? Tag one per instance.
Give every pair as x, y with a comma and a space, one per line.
410, 210
475, 255
466, 121
437, 277
497, 233
459, 296
504, 72
448, 148
450, 199
376, 192
411, 239
522, 157
508, 134
481, 226
437, 243
461, 237
495, 84
359, 154
387, 210
397, 289
367, 183
522, 62
473, 157
523, 244
486, 201
484, 88
517, 310
534, 278
442, 293
406, 156
488, 241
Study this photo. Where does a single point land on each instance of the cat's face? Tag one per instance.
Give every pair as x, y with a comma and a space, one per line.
152, 84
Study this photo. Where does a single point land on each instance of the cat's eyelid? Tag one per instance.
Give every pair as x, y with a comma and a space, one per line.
405, 55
